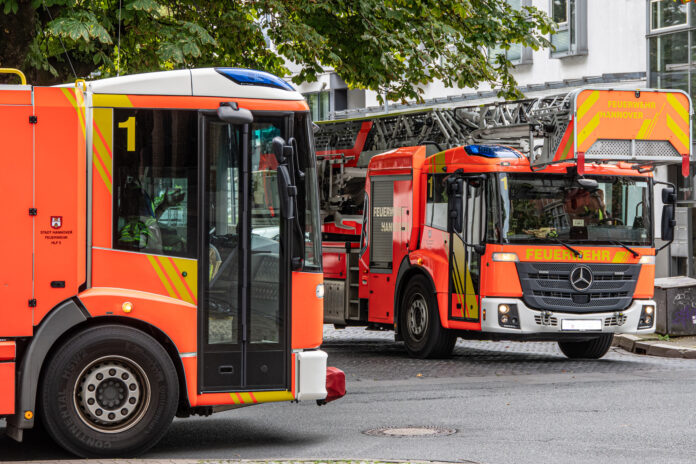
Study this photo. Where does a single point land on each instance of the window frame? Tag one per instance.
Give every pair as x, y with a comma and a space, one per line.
526, 53
578, 28
676, 27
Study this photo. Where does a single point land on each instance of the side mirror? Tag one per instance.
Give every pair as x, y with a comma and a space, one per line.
668, 196
231, 113
668, 222
287, 192
455, 204
281, 150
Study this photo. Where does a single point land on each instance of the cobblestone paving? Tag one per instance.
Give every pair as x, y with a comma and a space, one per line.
374, 355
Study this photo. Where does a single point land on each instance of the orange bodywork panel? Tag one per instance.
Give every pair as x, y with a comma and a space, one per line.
307, 310
8, 351
7, 388
16, 192
60, 230
645, 287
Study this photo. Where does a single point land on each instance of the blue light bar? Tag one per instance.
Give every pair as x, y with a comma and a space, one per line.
254, 77
491, 151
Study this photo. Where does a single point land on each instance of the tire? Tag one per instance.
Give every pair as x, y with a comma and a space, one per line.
419, 322
109, 391
588, 349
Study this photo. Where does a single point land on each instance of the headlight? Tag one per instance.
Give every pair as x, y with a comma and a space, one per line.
645, 259
503, 308
506, 257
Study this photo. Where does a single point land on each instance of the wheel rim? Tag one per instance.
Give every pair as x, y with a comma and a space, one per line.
417, 317
112, 394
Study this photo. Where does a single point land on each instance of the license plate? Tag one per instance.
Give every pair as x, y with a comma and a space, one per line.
583, 324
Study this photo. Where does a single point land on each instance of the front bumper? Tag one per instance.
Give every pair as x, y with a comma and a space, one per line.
536, 322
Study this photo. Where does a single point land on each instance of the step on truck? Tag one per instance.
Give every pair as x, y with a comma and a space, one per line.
538, 223
162, 254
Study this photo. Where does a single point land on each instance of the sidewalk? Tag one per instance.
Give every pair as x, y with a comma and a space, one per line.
657, 345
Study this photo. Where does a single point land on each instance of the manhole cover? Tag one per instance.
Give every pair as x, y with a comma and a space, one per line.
398, 432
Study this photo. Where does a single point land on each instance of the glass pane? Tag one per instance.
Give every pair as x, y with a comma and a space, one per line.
561, 40
223, 234
155, 180
667, 13
555, 207
307, 195
559, 12
515, 52
265, 317
436, 205
669, 52
324, 102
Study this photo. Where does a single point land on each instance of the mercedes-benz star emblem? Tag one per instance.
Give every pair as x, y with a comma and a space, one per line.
581, 278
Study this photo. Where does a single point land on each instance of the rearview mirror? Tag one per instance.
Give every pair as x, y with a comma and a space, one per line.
281, 151
231, 113
455, 204
668, 196
668, 222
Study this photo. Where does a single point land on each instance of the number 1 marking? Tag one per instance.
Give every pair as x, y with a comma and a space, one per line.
129, 125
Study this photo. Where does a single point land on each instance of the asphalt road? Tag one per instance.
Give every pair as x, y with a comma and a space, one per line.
508, 403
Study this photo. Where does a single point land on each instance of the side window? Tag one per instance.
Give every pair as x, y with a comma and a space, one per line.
155, 180
436, 202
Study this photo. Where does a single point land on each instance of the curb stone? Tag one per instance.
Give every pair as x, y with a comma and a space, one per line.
635, 344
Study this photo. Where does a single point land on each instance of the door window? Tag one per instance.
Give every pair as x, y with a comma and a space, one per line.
155, 181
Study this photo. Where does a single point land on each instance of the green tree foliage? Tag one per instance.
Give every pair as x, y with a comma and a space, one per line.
392, 46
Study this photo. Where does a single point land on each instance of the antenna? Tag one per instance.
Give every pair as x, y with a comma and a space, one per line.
61, 40
118, 50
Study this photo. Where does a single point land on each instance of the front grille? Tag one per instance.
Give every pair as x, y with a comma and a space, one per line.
614, 320
546, 286
552, 321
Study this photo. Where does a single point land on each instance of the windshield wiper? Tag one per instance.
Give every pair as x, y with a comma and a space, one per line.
633, 252
575, 252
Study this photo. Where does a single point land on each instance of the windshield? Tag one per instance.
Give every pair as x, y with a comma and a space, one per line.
543, 207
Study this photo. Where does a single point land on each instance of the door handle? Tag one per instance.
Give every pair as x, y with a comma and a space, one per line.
226, 369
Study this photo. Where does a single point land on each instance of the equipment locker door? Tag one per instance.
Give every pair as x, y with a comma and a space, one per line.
17, 193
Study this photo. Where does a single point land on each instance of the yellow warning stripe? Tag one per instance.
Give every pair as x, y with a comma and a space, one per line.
588, 104
175, 277
261, 397
644, 129
587, 130
569, 144
620, 257
681, 111
678, 132
101, 158
111, 101
102, 173
162, 277
73, 103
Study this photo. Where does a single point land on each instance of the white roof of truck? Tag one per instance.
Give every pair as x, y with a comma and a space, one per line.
205, 82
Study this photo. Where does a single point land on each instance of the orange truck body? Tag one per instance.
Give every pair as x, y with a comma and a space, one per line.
57, 186
471, 285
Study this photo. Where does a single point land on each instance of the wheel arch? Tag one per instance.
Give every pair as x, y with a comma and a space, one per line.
406, 272
61, 323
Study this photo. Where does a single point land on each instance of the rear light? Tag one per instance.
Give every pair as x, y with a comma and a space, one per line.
505, 257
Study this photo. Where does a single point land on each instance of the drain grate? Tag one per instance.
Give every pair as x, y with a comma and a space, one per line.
410, 431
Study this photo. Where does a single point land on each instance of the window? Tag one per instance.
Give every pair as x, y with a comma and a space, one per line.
436, 202
571, 37
318, 105
669, 61
516, 53
666, 14
155, 180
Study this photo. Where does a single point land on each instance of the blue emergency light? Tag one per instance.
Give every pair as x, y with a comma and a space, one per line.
254, 77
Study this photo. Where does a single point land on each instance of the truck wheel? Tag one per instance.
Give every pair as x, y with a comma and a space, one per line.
110, 391
419, 321
588, 349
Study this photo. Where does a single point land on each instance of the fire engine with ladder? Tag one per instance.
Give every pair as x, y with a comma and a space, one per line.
520, 220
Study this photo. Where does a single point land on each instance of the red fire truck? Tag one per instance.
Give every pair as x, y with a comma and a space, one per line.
163, 254
540, 227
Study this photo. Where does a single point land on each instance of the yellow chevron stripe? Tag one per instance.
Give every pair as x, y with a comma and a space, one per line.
111, 101
678, 132
176, 279
681, 111
620, 257
266, 396
158, 271
588, 129
644, 129
102, 173
569, 144
102, 151
587, 104
80, 116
